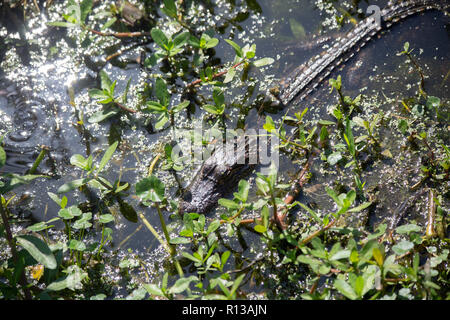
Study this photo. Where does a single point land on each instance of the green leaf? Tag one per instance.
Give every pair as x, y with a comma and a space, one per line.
236, 48
218, 96
403, 126
191, 257
230, 75
150, 189
76, 245
297, 29
406, 46
181, 106
182, 284
79, 161
344, 288
14, 180
160, 38
38, 249
73, 185
72, 281
70, 212
349, 138
101, 115
213, 226
433, 102
105, 81
243, 190
2, 157
236, 283
229, 204
260, 228
334, 196
153, 289
106, 218
83, 222
360, 207
181, 39
180, 240
262, 185
378, 255
334, 158
311, 212
211, 43
161, 92
107, 156
38, 226
269, 126
108, 23
170, 8
408, 228
342, 254
359, 286
212, 109
61, 24
153, 106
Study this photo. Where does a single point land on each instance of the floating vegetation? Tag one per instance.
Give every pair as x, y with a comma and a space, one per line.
96, 95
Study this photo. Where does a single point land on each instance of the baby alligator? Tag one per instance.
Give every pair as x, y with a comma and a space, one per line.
218, 175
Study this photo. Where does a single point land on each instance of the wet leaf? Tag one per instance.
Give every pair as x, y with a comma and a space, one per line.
180, 240
128, 211
403, 247
408, 228
334, 158
230, 75
37, 271
433, 102
344, 288
73, 185
2, 157
83, 222
170, 8
153, 289
269, 126
12, 181
150, 189
297, 29
212, 109
181, 39
161, 92
85, 9
260, 228
105, 218
72, 281
243, 190
159, 37
99, 116
70, 212
229, 204
38, 249
180, 106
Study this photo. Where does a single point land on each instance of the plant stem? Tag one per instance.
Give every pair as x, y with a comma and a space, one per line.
172, 249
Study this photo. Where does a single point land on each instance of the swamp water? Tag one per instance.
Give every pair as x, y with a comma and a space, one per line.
45, 75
